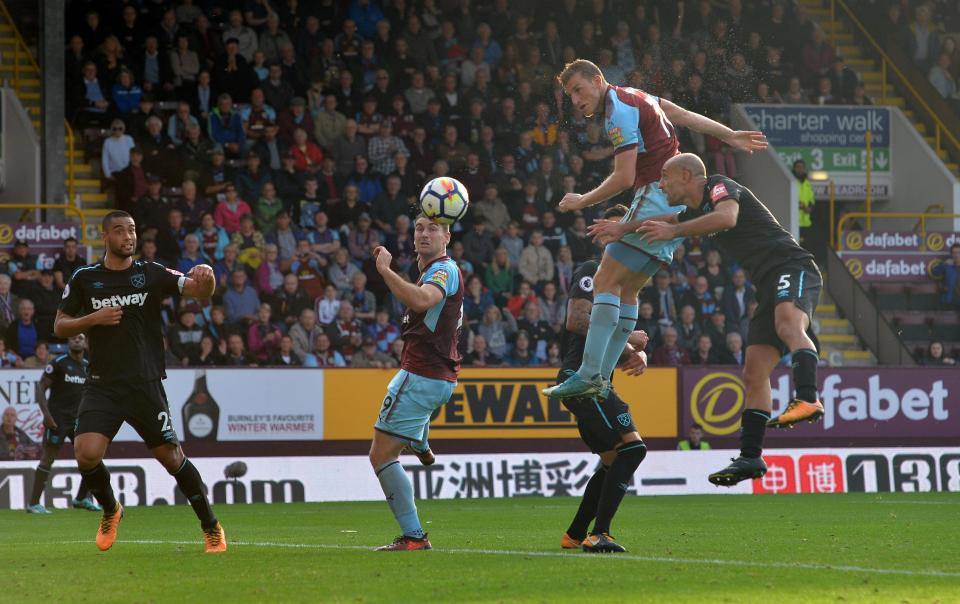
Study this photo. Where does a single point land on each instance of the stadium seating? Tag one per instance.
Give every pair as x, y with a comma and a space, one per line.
311, 71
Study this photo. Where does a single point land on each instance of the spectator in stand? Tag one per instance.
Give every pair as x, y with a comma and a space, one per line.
481, 356
476, 301
213, 238
131, 182
922, 41
704, 354
478, 246
23, 267
192, 254
8, 302
324, 355
329, 124
701, 298
368, 184
192, 207
289, 300
293, 118
694, 440
363, 301
184, 65
307, 156
343, 331
230, 210
273, 38
240, 302
341, 272
268, 206
500, 275
715, 273
67, 262
269, 278
363, 239
553, 307
158, 150
263, 335
88, 100
250, 242
125, 93
40, 358
718, 329
116, 152
497, 329
245, 37
8, 358
368, 356
328, 305
185, 337
209, 354
272, 152
523, 294
522, 355
15, 444
948, 273
736, 298
285, 356
491, 210
225, 126
383, 331
661, 297
539, 331
733, 353
817, 55
648, 322
536, 262
824, 93
237, 355
22, 335
942, 79
670, 353
934, 356
305, 332
46, 298
171, 238
688, 328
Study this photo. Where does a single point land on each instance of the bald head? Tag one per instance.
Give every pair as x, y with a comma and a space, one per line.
689, 162
682, 178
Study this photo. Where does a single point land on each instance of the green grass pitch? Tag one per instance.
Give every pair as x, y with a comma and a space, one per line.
808, 548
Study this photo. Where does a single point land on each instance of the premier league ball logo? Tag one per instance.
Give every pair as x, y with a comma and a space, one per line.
138, 280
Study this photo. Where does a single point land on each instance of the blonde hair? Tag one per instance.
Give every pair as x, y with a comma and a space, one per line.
585, 68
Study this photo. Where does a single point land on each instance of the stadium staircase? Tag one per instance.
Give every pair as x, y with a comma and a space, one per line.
20, 71
839, 344
915, 310
868, 64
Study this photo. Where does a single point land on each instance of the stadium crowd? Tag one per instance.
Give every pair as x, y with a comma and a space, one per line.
282, 141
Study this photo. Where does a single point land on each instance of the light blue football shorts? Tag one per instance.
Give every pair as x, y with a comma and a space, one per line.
631, 251
411, 400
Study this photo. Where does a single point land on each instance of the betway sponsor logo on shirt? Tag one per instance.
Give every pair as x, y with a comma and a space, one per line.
74, 379
129, 300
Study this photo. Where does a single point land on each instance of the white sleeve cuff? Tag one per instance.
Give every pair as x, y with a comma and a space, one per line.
180, 283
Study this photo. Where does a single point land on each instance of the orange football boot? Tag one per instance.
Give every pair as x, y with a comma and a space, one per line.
797, 411
107, 533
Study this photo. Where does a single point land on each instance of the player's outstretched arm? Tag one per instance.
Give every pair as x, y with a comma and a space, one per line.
200, 282
417, 298
623, 176
744, 140
723, 217
578, 315
65, 326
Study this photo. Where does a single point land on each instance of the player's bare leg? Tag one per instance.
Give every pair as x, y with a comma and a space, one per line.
791, 324
760, 362
605, 333
385, 459
188, 479
89, 449
40, 479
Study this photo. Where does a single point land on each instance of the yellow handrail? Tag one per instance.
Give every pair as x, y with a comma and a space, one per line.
68, 208
921, 216
885, 60
21, 47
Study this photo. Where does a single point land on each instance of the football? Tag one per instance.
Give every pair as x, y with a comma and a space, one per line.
444, 200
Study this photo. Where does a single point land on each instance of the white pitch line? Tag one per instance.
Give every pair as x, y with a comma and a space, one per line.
542, 554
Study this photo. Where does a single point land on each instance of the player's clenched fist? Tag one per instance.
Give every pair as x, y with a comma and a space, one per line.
384, 258
201, 273
570, 202
108, 315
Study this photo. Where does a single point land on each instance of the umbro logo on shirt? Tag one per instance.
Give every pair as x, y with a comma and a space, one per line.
128, 300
